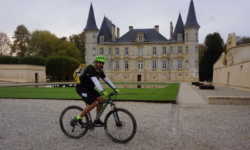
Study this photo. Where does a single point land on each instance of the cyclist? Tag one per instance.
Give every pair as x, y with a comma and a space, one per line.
90, 80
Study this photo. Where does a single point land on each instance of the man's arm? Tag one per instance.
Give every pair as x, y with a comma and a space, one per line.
109, 83
97, 83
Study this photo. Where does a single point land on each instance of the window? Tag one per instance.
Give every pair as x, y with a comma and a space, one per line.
171, 49
126, 64
93, 51
171, 64
196, 65
179, 49
140, 51
110, 64
154, 50
196, 48
110, 52
116, 64
101, 51
186, 37
126, 51
196, 36
179, 37
187, 65
140, 38
154, 65
179, 64
186, 49
179, 74
140, 65
117, 51
101, 38
164, 64
164, 50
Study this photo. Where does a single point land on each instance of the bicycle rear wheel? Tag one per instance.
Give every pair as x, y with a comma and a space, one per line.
68, 124
120, 125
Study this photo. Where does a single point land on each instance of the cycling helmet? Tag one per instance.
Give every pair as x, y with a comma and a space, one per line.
100, 58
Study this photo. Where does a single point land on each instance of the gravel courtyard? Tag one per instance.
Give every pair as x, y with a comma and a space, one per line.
34, 125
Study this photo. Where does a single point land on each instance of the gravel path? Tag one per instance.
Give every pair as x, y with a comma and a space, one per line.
219, 91
34, 125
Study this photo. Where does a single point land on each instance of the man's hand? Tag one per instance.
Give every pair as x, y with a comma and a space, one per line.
117, 91
104, 93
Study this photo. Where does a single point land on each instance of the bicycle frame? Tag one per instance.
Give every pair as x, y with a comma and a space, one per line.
106, 102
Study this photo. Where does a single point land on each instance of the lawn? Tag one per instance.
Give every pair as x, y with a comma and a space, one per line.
167, 93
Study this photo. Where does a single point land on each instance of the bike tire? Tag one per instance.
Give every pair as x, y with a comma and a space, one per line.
65, 119
127, 129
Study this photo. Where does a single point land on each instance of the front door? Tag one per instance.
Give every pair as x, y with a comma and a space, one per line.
139, 77
36, 77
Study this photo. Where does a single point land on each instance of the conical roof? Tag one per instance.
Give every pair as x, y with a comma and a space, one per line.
106, 30
179, 28
91, 24
191, 17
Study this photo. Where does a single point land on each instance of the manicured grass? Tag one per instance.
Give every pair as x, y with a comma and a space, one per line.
167, 93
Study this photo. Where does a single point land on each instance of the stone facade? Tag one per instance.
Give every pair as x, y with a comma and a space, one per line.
22, 73
140, 59
233, 67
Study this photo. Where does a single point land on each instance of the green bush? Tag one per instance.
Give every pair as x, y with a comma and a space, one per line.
32, 60
9, 60
61, 66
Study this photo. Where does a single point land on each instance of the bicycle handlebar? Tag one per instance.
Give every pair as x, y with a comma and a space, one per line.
113, 93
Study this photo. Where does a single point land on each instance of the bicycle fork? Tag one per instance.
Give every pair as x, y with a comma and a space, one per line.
116, 117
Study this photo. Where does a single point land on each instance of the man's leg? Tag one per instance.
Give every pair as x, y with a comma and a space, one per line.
87, 109
100, 99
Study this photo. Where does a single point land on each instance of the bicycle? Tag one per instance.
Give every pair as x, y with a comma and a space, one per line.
120, 129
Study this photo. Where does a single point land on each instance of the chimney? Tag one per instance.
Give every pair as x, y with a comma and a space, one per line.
130, 28
113, 32
171, 30
118, 33
157, 28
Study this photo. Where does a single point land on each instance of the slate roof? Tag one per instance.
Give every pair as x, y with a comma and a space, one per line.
151, 35
106, 30
179, 28
91, 24
191, 17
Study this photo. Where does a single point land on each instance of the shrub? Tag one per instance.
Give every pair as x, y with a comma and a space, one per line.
61, 66
8, 60
32, 60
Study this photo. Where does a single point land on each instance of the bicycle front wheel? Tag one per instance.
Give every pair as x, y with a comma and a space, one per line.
69, 125
120, 125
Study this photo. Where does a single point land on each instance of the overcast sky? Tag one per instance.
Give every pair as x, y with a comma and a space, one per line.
67, 17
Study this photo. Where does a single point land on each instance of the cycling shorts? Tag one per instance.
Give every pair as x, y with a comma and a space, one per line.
88, 95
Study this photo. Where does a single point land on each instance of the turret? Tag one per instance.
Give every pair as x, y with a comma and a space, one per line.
191, 42
179, 30
91, 31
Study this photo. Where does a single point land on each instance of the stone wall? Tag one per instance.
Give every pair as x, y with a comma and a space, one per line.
233, 67
22, 73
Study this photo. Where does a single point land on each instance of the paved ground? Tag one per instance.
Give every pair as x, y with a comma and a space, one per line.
190, 124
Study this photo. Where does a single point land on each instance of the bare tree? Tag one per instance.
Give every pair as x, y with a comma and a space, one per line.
4, 43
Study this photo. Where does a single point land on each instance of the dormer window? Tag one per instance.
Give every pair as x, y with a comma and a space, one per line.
140, 37
179, 37
101, 39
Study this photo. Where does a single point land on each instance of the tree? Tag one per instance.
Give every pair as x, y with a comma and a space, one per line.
46, 44
21, 37
215, 46
79, 42
202, 48
42, 43
4, 43
243, 40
